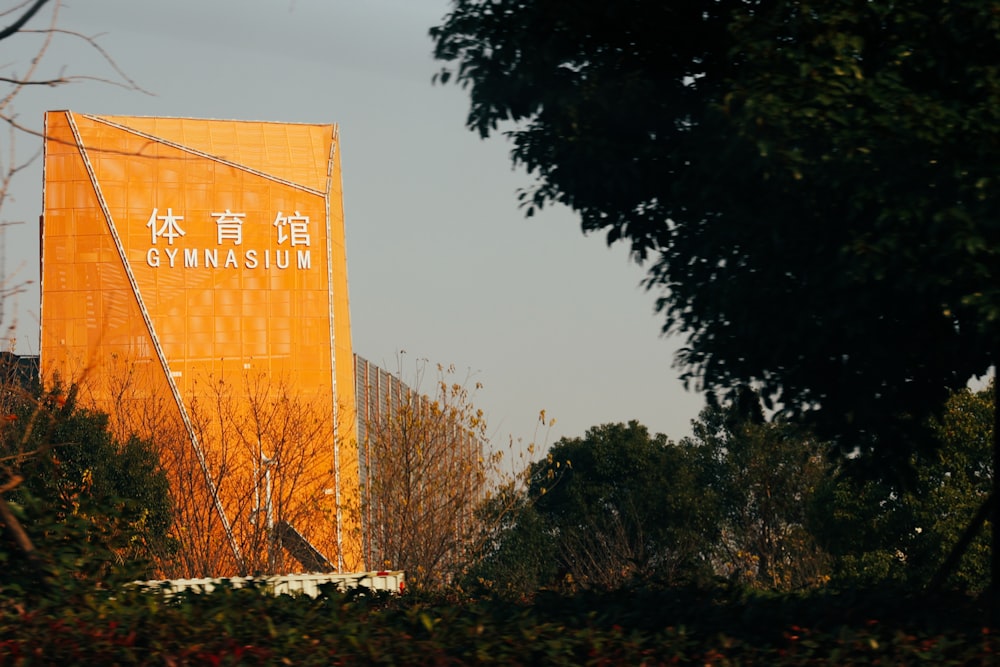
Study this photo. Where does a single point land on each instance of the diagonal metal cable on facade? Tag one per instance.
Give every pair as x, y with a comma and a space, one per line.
199, 453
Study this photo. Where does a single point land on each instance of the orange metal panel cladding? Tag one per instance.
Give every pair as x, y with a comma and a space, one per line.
207, 254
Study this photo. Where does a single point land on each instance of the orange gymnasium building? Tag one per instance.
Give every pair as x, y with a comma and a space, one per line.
194, 286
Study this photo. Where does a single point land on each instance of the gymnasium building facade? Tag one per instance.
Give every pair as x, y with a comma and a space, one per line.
194, 287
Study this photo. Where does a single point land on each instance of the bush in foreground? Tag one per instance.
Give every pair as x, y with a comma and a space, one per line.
645, 627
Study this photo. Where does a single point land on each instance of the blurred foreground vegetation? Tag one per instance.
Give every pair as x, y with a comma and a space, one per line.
680, 626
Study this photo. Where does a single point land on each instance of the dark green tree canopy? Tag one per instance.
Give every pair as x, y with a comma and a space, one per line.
812, 187
92, 506
622, 503
879, 532
753, 502
764, 477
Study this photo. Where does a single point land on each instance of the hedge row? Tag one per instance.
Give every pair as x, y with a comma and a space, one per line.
249, 627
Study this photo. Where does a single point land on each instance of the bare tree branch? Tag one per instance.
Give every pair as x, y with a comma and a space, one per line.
91, 40
24, 18
28, 82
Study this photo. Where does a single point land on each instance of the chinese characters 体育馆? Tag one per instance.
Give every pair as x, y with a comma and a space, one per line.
292, 231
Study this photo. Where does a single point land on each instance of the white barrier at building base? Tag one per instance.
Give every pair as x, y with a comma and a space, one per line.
290, 584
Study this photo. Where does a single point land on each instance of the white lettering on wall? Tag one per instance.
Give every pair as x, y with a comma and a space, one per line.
293, 228
230, 226
291, 231
170, 229
305, 259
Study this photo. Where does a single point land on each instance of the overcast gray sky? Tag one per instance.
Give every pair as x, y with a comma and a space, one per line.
441, 261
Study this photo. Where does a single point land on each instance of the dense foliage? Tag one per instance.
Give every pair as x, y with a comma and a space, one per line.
764, 477
615, 505
811, 185
622, 504
95, 510
879, 532
635, 627
752, 502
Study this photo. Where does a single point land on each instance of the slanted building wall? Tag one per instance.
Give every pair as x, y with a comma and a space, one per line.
194, 286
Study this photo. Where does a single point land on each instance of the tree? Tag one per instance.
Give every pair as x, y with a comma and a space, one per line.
424, 472
90, 503
738, 500
956, 481
253, 491
622, 505
18, 76
765, 477
810, 186
92, 508
878, 531
270, 447
516, 552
